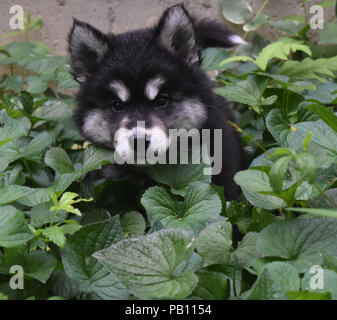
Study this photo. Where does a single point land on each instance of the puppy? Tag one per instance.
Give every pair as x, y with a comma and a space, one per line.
153, 77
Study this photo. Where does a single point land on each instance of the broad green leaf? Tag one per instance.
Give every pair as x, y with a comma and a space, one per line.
64, 78
13, 193
36, 264
201, 204
309, 68
11, 128
133, 223
14, 230
16, 50
41, 215
276, 279
248, 91
301, 241
47, 65
289, 27
88, 274
235, 59
58, 159
323, 93
326, 114
179, 176
328, 33
214, 244
212, 286
253, 182
280, 49
238, 11
278, 171
146, 265
211, 58
55, 234
54, 110
278, 125
36, 85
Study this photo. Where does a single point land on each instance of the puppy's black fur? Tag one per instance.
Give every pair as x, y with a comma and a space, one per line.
171, 49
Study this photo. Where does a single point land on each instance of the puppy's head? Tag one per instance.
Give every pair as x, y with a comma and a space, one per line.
138, 85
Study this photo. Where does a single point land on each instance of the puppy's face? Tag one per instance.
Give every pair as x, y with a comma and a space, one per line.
136, 86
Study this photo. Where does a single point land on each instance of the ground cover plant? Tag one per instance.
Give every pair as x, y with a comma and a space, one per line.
169, 236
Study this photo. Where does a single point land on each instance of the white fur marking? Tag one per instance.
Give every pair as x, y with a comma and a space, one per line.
235, 39
153, 86
96, 127
121, 90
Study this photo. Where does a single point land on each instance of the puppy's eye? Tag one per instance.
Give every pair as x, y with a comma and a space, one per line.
162, 101
116, 105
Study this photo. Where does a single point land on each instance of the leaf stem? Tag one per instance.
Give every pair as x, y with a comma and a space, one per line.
264, 4
238, 129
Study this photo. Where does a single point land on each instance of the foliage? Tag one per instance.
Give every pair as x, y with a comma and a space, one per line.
170, 235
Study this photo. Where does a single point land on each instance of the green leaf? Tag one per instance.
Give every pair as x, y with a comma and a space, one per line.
11, 128
276, 279
14, 230
237, 11
133, 223
315, 211
211, 58
278, 125
305, 295
258, 21
55, 234
326, 114
54, 110
309, 68
58, 159
88, 274
64, 78
36, 85
13, 193
253, 183
66, 201
301, 241
248, 91
280, 49
36, 264
46, 65
277, 173
179, 176
212, 286
214, 244
146, 266
201, 204
235, 59
328, 33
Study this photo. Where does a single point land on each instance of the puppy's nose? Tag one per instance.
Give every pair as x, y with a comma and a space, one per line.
140, 143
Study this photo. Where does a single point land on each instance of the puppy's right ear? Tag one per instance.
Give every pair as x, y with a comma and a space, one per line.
87, 47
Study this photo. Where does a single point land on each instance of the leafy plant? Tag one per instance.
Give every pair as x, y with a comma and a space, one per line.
172, 235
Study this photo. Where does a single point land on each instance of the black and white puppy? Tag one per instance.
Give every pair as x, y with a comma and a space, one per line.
152, 75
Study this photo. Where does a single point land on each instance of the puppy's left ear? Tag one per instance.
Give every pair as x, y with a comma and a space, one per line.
175, 32
87, 48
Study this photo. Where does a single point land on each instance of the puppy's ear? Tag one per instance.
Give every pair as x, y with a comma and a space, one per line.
175, 32
213, 34
87, 47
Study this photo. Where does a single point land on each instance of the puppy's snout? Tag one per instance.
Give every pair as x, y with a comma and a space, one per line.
139, 143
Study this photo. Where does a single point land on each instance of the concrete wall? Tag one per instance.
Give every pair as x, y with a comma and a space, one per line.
123, 15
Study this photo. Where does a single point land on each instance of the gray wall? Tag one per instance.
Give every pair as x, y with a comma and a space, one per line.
122, 15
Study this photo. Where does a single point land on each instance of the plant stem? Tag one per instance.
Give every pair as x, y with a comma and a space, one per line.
264, 4
238, 129
324, 194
